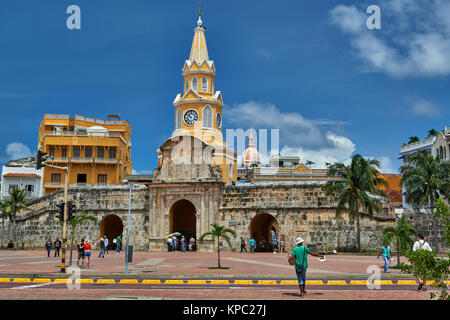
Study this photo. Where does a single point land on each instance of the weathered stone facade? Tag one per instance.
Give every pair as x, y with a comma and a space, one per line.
298, 208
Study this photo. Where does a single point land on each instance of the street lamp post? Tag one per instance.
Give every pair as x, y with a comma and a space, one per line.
125, 181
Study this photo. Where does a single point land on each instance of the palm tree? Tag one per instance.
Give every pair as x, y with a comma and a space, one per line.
425, 179
413, 139
357, 184
432, 133
309, 163
219, 231
12, 205
402, 233
3, 215
76, 221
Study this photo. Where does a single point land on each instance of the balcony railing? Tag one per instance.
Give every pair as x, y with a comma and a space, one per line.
56, 116
428, 142
83, 134
108, 160
78, 159
54, 185
80, 185
99, 121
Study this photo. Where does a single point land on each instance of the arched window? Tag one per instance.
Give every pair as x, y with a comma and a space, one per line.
187, 86
207, 117
178, 120
195, 83
204, 84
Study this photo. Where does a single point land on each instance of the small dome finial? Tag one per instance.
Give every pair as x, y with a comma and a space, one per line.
199, 22
199, 12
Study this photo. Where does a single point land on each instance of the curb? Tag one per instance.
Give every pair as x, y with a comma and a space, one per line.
212, 282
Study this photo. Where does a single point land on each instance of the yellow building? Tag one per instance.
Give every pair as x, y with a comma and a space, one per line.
96, 151
198, 111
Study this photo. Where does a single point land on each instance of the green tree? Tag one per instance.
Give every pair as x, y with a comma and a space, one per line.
3, 215
219, 232
357, 184
432, 133
12, 205
443, 212
402, 233
425, 179
425, 265
309, 163
77, 221
413, 139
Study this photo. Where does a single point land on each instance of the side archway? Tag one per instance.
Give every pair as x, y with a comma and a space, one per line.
262, 226
111, 226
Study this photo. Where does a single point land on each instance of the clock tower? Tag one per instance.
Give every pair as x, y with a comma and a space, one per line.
198, 110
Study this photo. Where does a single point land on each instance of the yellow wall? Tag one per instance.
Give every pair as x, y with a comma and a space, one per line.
116, 169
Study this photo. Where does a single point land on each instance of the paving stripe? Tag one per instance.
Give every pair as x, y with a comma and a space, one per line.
151, 281
62, 281
106, 281
407, 282
196, 282
384, 282
174, 282
33, 286
267, 282
84, 281
129, 281
220, 282
359, 282
314, 282
289, 282
336, 282
42, 280
4, 280
22, 280
243, 282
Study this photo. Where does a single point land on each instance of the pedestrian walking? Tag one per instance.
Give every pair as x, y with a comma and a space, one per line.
174, 243
106, 243
49, 246
183, 244
102, 248
386, 251
301, 263
421, 244
118, 242
243, 246
274, 242
87, 252
80, 252
169, 244
57, 245
192, 244
252, 243
262, 245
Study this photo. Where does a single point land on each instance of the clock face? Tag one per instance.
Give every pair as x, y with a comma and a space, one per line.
219, 120
190, 117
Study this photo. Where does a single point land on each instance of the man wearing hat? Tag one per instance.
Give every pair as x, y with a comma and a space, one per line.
301, 263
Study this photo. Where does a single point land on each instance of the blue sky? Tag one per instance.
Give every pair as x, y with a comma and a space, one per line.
310, 68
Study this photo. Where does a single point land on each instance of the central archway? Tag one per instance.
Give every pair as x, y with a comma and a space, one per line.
183, 219
261, 227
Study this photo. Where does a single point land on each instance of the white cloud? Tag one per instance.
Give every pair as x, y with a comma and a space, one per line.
415, 42
17, 150
298, 136
421, 107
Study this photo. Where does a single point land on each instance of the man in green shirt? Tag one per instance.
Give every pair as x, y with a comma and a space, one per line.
301, 263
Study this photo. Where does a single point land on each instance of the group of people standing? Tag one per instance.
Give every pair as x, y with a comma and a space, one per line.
57, 245
175, 244
262, 245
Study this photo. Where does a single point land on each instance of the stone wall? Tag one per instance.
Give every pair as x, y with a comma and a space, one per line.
38, 221
300, 209
422, 220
